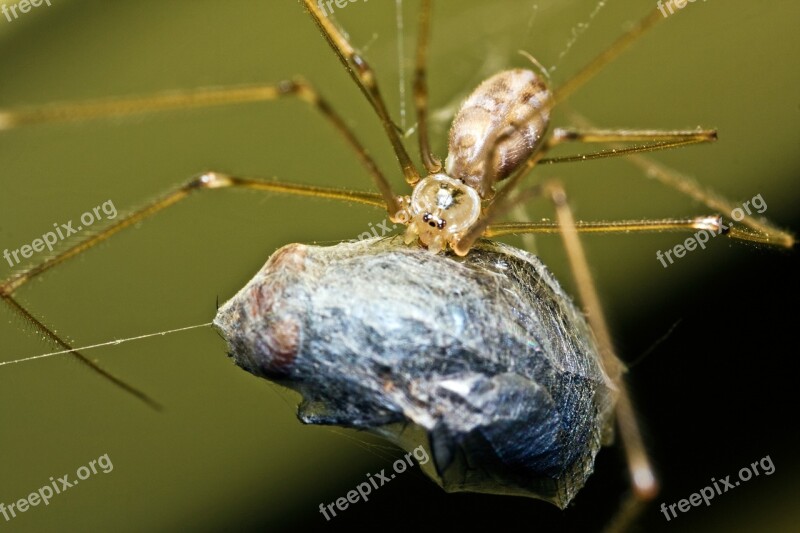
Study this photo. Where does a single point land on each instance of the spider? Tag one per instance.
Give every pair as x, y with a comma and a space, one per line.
447, 231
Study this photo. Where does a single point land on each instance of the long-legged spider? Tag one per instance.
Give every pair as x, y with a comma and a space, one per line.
715, 210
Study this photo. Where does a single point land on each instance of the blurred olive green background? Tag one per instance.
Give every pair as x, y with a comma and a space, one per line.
227, 453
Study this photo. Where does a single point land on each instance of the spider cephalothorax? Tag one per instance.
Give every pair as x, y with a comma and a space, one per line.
439, 210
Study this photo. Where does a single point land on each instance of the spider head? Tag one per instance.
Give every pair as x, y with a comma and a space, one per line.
439, 211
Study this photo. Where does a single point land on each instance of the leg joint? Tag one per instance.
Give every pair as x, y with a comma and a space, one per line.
210, 180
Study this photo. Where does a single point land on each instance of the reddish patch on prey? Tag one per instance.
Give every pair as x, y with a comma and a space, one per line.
290, 257
282, 338
281, 334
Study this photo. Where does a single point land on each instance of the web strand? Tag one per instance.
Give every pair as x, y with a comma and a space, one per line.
109, 343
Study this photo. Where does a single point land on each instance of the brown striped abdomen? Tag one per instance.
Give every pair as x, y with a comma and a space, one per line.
511, 110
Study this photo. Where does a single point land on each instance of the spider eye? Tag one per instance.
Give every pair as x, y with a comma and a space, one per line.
442, 224
426, 217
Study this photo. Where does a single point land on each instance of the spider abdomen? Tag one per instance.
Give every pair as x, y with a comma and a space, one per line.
510, 112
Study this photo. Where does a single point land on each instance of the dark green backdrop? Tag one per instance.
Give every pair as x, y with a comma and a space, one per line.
228, 453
